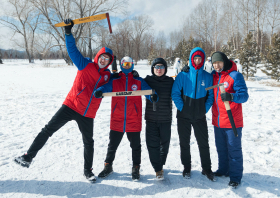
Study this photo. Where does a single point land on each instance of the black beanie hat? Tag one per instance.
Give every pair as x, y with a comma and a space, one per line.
159, 61
220, 56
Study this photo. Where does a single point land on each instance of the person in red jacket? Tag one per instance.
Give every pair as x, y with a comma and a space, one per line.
80, 104
126, 116
229, 147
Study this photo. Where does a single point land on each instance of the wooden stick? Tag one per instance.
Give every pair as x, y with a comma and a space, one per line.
84, 20
89, 19
129, 93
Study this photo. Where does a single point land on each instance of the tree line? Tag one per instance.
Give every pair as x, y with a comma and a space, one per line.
243, 29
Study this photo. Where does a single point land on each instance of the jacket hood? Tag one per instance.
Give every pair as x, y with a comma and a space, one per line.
104, 50
197, 51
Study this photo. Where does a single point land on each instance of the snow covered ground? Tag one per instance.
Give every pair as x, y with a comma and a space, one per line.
32, 93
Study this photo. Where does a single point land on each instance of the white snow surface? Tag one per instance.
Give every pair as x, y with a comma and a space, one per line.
32, 93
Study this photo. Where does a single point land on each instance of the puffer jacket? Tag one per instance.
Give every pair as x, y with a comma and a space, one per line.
126, 111
188, 91
163, 87
234, 83
89, 77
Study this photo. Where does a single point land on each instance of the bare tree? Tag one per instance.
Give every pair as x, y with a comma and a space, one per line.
140, 24
273, 15
259, 7
23, 20
55, 11
161, 44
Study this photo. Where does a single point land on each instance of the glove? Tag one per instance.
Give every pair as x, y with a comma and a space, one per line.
154, 97
69, 27
135, 73
98, 94
226, 97
186, 68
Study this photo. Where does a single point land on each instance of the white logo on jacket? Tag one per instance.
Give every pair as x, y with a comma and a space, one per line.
134, 87
226, 84
203, 83
106, 77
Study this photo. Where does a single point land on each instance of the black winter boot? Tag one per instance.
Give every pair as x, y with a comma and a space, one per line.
89, 175
108, 169
187, 173
24, 160
233, 184
209, 174
135, 173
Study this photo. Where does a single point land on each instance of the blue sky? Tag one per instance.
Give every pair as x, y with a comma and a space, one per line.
167, 15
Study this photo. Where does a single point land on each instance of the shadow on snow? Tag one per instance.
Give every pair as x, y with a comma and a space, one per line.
148, 185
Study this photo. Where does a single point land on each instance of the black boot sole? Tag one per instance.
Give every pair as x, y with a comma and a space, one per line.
21, 163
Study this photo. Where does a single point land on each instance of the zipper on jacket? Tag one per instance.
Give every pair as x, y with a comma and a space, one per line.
92, 96
196, 84
217, 101
125, 104
195, 91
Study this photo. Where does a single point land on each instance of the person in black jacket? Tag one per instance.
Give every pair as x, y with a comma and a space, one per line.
158, 123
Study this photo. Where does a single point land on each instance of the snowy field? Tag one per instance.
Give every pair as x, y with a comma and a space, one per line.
32, 93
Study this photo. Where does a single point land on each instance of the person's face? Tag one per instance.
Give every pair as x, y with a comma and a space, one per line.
104, 59
159, 69
197, 60
127, 65
218, 66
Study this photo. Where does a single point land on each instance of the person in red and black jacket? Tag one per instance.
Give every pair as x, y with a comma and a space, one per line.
229, 147
126, 116
80, 104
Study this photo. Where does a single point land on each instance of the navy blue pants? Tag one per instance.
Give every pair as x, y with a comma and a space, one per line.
229, 153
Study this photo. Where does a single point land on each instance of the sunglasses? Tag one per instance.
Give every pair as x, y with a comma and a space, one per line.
127, 64
159, 67
104, 58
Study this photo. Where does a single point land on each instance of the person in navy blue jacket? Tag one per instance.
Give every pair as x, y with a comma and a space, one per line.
193, 102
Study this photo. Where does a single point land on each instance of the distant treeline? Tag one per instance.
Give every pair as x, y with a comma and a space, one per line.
16, 54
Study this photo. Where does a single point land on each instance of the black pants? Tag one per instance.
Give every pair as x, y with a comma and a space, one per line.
201, 135
158, 140
62, 116
114, 141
